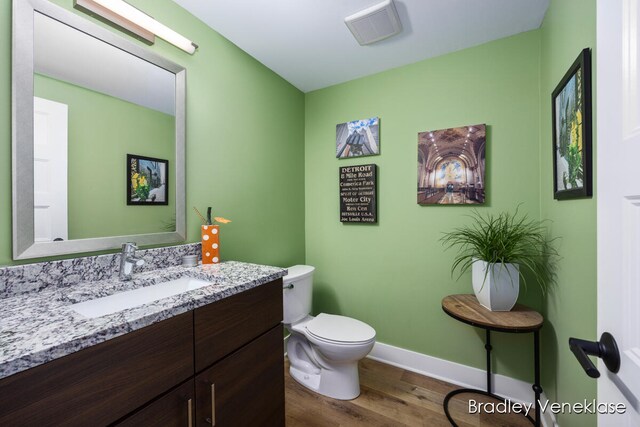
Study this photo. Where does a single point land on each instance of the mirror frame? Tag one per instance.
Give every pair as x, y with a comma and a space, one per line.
24, 245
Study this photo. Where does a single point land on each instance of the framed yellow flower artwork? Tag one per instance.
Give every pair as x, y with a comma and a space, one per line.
572, 131
147, 180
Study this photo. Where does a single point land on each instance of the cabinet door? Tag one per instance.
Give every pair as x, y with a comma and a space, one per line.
245, 388
175, 409
226, 325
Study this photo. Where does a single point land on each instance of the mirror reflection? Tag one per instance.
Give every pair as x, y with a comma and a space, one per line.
104, 138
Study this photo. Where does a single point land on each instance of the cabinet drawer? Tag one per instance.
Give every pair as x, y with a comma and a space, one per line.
175, 409
103, 383
228, 324
246, 388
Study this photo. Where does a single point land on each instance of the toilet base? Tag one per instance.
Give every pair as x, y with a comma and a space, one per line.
327, 368
341, 382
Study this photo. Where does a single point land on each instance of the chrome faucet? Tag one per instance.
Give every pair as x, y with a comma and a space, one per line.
128, 260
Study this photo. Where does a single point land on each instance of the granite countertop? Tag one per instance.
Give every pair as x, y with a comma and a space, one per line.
38, 327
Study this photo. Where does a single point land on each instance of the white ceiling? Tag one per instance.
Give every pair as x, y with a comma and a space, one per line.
307, 43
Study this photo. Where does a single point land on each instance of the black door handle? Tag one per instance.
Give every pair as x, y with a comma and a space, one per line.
606, 349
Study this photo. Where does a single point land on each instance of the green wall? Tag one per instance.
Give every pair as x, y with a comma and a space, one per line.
102, 131
245, 141
393, 275
569, 26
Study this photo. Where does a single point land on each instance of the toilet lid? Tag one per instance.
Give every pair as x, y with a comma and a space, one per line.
340, 329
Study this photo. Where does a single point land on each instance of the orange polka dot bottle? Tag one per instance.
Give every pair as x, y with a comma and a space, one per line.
210, 244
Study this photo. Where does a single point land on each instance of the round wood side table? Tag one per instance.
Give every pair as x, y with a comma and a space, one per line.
521, 319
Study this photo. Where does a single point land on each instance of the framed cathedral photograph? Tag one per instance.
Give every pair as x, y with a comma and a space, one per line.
572, 131
451, 166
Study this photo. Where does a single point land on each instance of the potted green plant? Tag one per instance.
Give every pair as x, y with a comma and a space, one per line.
501, 250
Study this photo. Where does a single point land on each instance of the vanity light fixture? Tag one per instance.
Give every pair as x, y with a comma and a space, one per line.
135, 21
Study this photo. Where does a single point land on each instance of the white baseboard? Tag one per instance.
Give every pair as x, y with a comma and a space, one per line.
455, 373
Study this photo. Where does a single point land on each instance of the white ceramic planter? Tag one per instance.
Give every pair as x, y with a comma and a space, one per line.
498, 289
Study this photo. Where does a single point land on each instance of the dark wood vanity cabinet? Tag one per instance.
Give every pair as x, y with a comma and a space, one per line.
164, 374
245, 388
239, 355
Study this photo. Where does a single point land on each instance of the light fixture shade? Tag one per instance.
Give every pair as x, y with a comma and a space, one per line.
101, 13
142, 20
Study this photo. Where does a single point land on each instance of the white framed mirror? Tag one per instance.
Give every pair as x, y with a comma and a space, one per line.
98, 137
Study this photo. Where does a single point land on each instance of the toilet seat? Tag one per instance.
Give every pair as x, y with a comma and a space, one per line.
317, 340
340, 330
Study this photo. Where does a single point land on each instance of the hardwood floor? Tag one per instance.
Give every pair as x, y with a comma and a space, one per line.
389, 396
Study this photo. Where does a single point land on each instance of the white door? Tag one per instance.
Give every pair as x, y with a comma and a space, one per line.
618, 193
50, 170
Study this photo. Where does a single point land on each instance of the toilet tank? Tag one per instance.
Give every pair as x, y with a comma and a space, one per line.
297, 293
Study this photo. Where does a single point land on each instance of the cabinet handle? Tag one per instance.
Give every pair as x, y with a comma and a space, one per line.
190, 412
213, 404
212, 420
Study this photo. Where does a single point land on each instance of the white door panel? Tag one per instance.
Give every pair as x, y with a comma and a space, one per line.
50, 125
618, 126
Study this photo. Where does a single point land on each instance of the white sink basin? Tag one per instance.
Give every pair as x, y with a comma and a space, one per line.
137, 297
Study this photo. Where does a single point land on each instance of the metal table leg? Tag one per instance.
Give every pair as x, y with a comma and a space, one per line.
487, 347
489, 392
536, 384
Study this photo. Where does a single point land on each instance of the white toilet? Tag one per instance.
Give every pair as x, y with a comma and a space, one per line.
324, 350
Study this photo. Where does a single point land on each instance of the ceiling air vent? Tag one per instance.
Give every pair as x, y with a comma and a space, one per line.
375, 23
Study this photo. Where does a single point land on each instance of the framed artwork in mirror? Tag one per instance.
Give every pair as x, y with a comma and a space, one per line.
572, 131
147, 180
